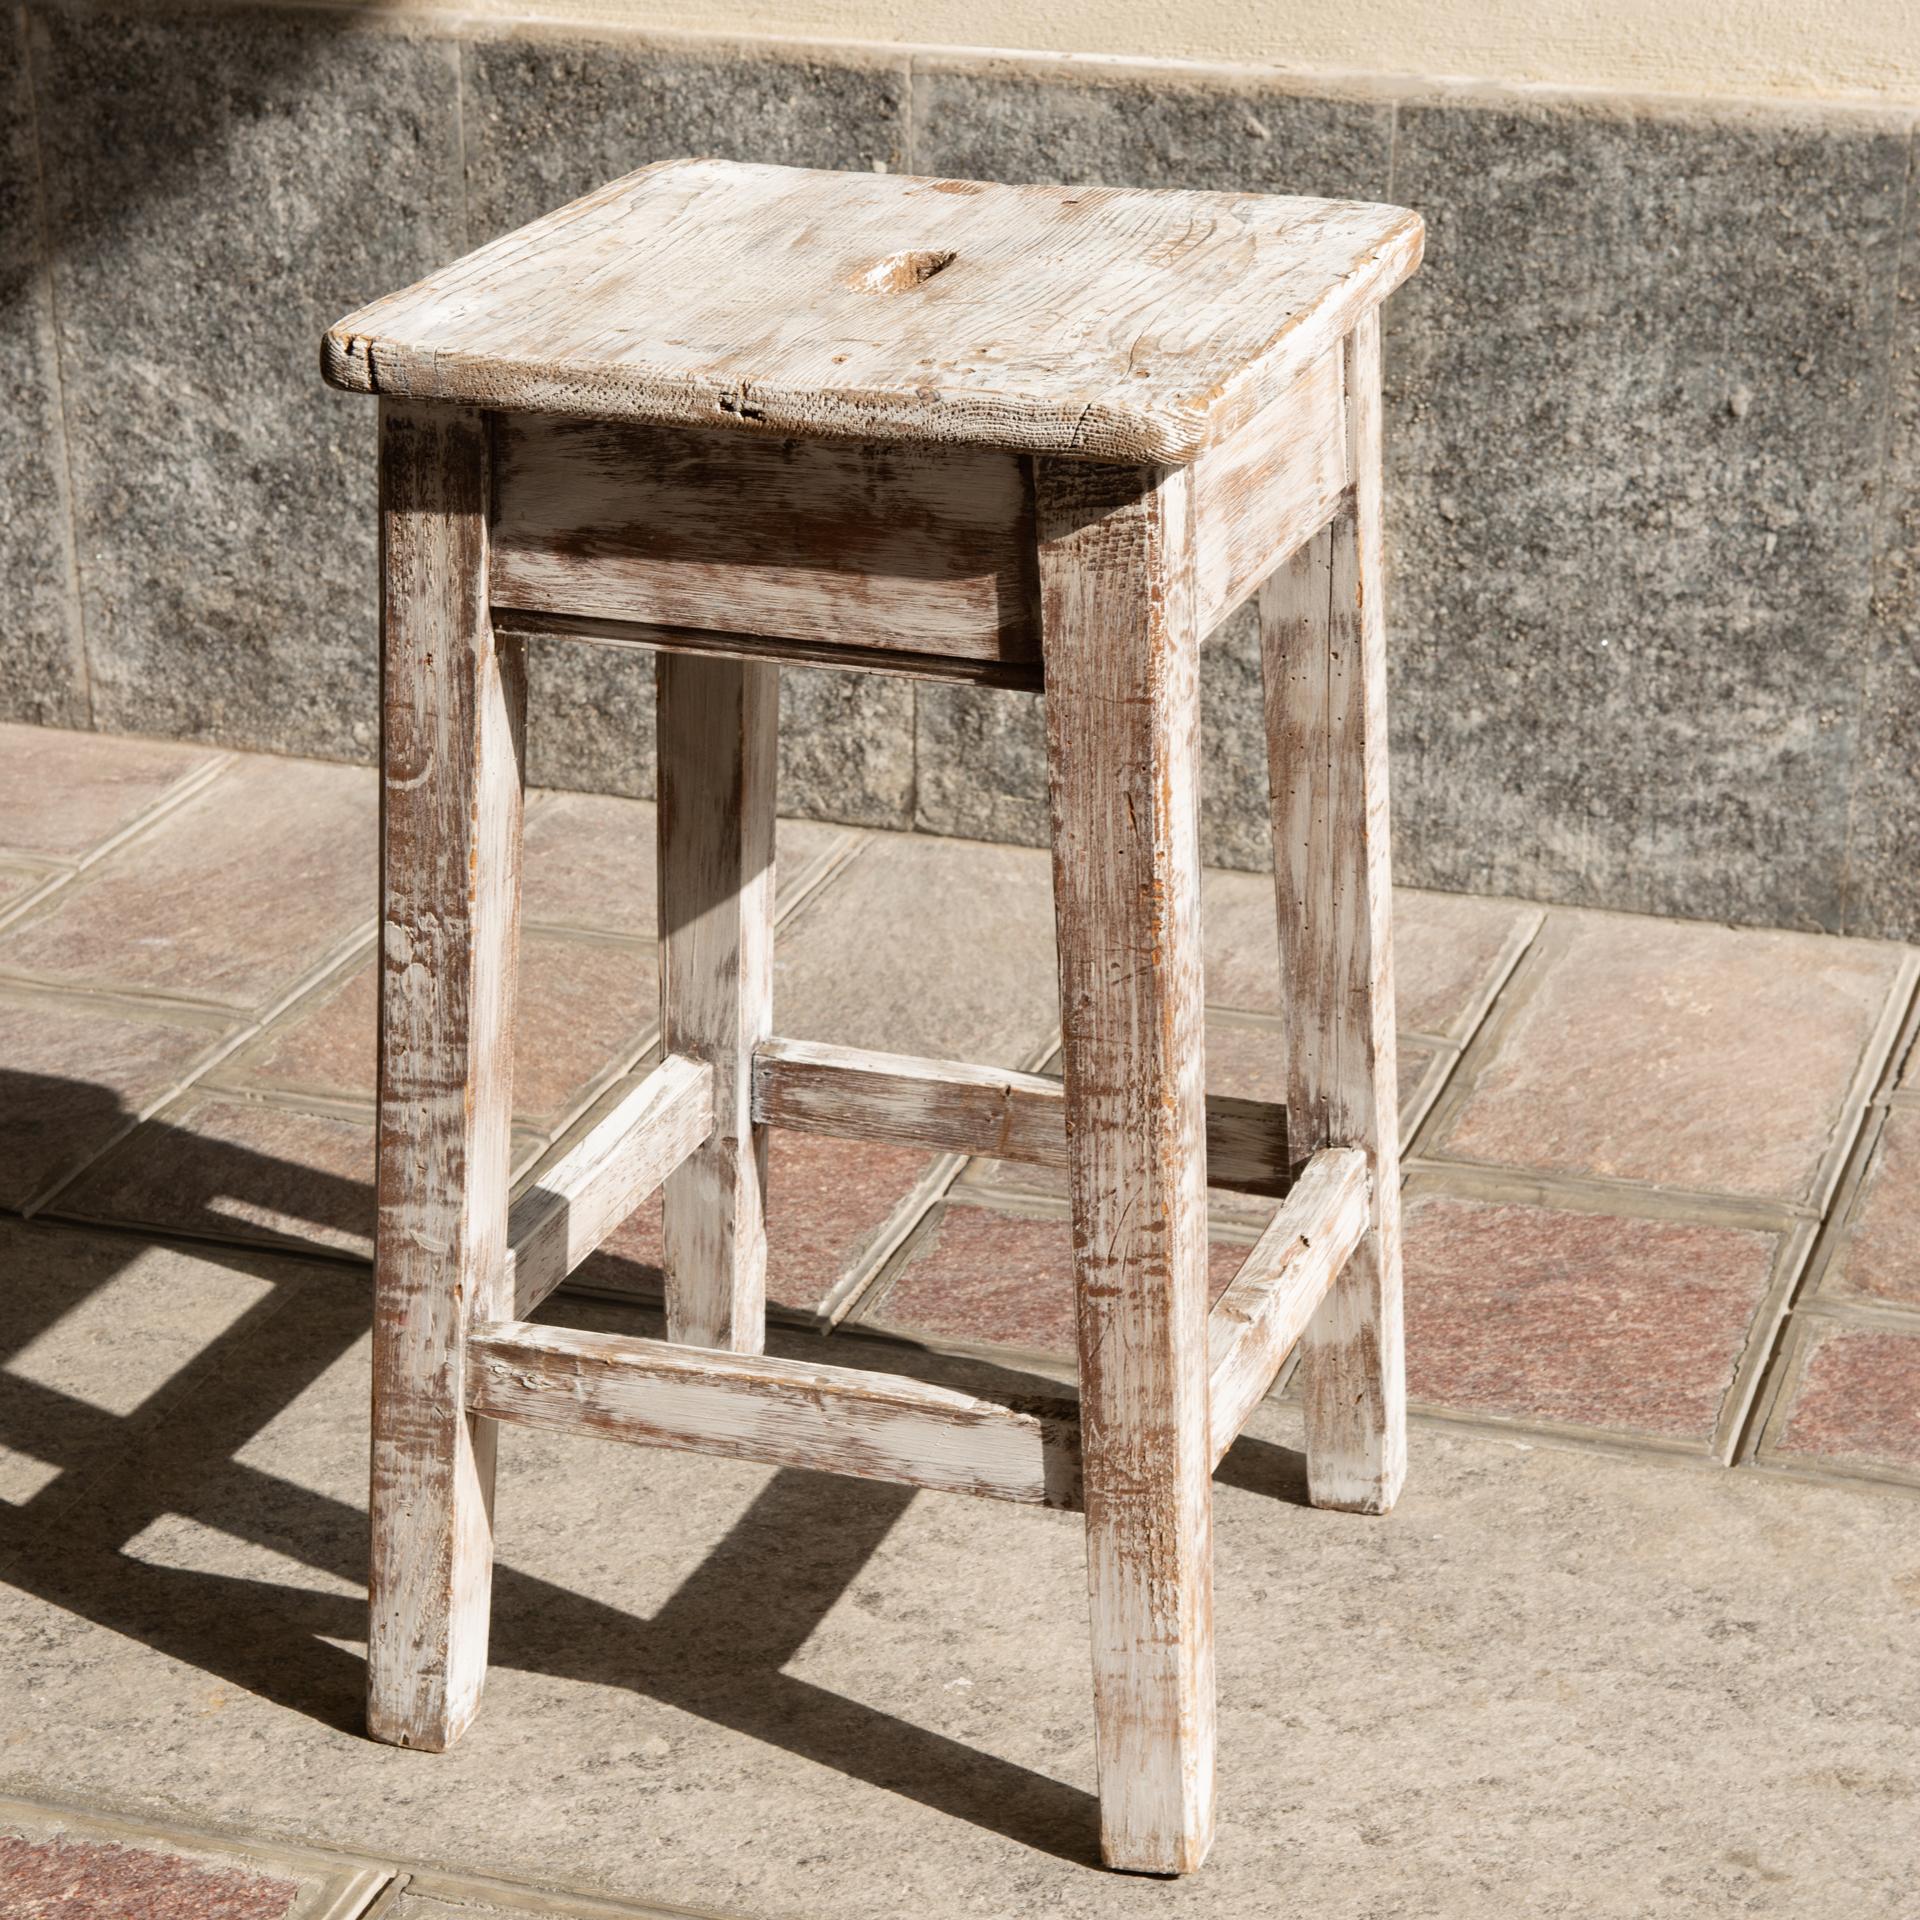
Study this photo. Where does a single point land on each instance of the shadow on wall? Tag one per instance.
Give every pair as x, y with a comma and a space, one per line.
716, 1649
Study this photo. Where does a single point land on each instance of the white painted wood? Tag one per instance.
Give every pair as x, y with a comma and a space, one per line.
452, 709
1256, 1323
1324, 641
717, 738
620, 1163
1264, 491
949, 1106
1123, 723
1100, 322
781, 1413
899, 548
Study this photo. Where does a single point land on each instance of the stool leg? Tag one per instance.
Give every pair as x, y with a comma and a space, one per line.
1324, 643
718, 733
1122, 709
452, 708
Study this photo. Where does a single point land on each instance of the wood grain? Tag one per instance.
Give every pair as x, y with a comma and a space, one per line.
1258, 1321
1324, 644
452, 711
899, 548
717, 738
950, 1106
1263, 492
1099, 322
590, 1190
780, 1413
1122, 713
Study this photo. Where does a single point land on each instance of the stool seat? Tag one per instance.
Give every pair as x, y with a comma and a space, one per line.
1093, 322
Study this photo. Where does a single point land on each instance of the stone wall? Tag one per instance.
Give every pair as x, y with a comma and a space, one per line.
1653, 420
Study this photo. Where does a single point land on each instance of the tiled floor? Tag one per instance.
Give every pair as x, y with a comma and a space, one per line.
1634, 1145
1660, 1181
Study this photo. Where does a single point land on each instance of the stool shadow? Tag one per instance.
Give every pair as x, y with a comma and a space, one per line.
717, 1649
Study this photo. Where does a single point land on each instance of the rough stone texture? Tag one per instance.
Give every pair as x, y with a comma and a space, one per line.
1684, 1055
1539, 1315
982, 752
1857, 1400
45, 671
1634, 402
223, 187
62, 794
1877, 1255
74, 1074
1883, 855
731, 1690
233, 895
549, 116
84, 1880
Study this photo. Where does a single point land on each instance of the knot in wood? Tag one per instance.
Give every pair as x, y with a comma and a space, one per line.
901, 272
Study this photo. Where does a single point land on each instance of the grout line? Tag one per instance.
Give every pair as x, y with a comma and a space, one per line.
186, 788
313, 977
68, 514
1594, 1193
1759, 1343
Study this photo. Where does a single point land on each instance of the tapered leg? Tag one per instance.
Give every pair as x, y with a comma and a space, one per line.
718, 731
1122, 706
1324, 643
452, 708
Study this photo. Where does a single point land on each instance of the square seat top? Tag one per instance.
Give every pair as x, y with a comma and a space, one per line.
1101, 323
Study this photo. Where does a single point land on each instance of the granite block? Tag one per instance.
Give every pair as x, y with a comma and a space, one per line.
45, 678
222, 187
1883, 852
87, 1880
1541, 1315
989, 121
1708, 1058
548, 116
1634, 411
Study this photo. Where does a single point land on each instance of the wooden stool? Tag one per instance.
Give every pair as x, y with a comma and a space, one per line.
1019, 436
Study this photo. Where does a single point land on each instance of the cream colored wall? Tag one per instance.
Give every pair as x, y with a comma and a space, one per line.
1866, 50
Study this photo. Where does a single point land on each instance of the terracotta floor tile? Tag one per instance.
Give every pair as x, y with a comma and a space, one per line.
17, 882
585, 1006
1877, 1255
1000, 1279
1686, 1055
71, 1074
228, 899
1446, 949
942, 948
1531, 1313
61, 794
233, 1169
826, 1201
1857, 1399
86, 1880
589, 861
